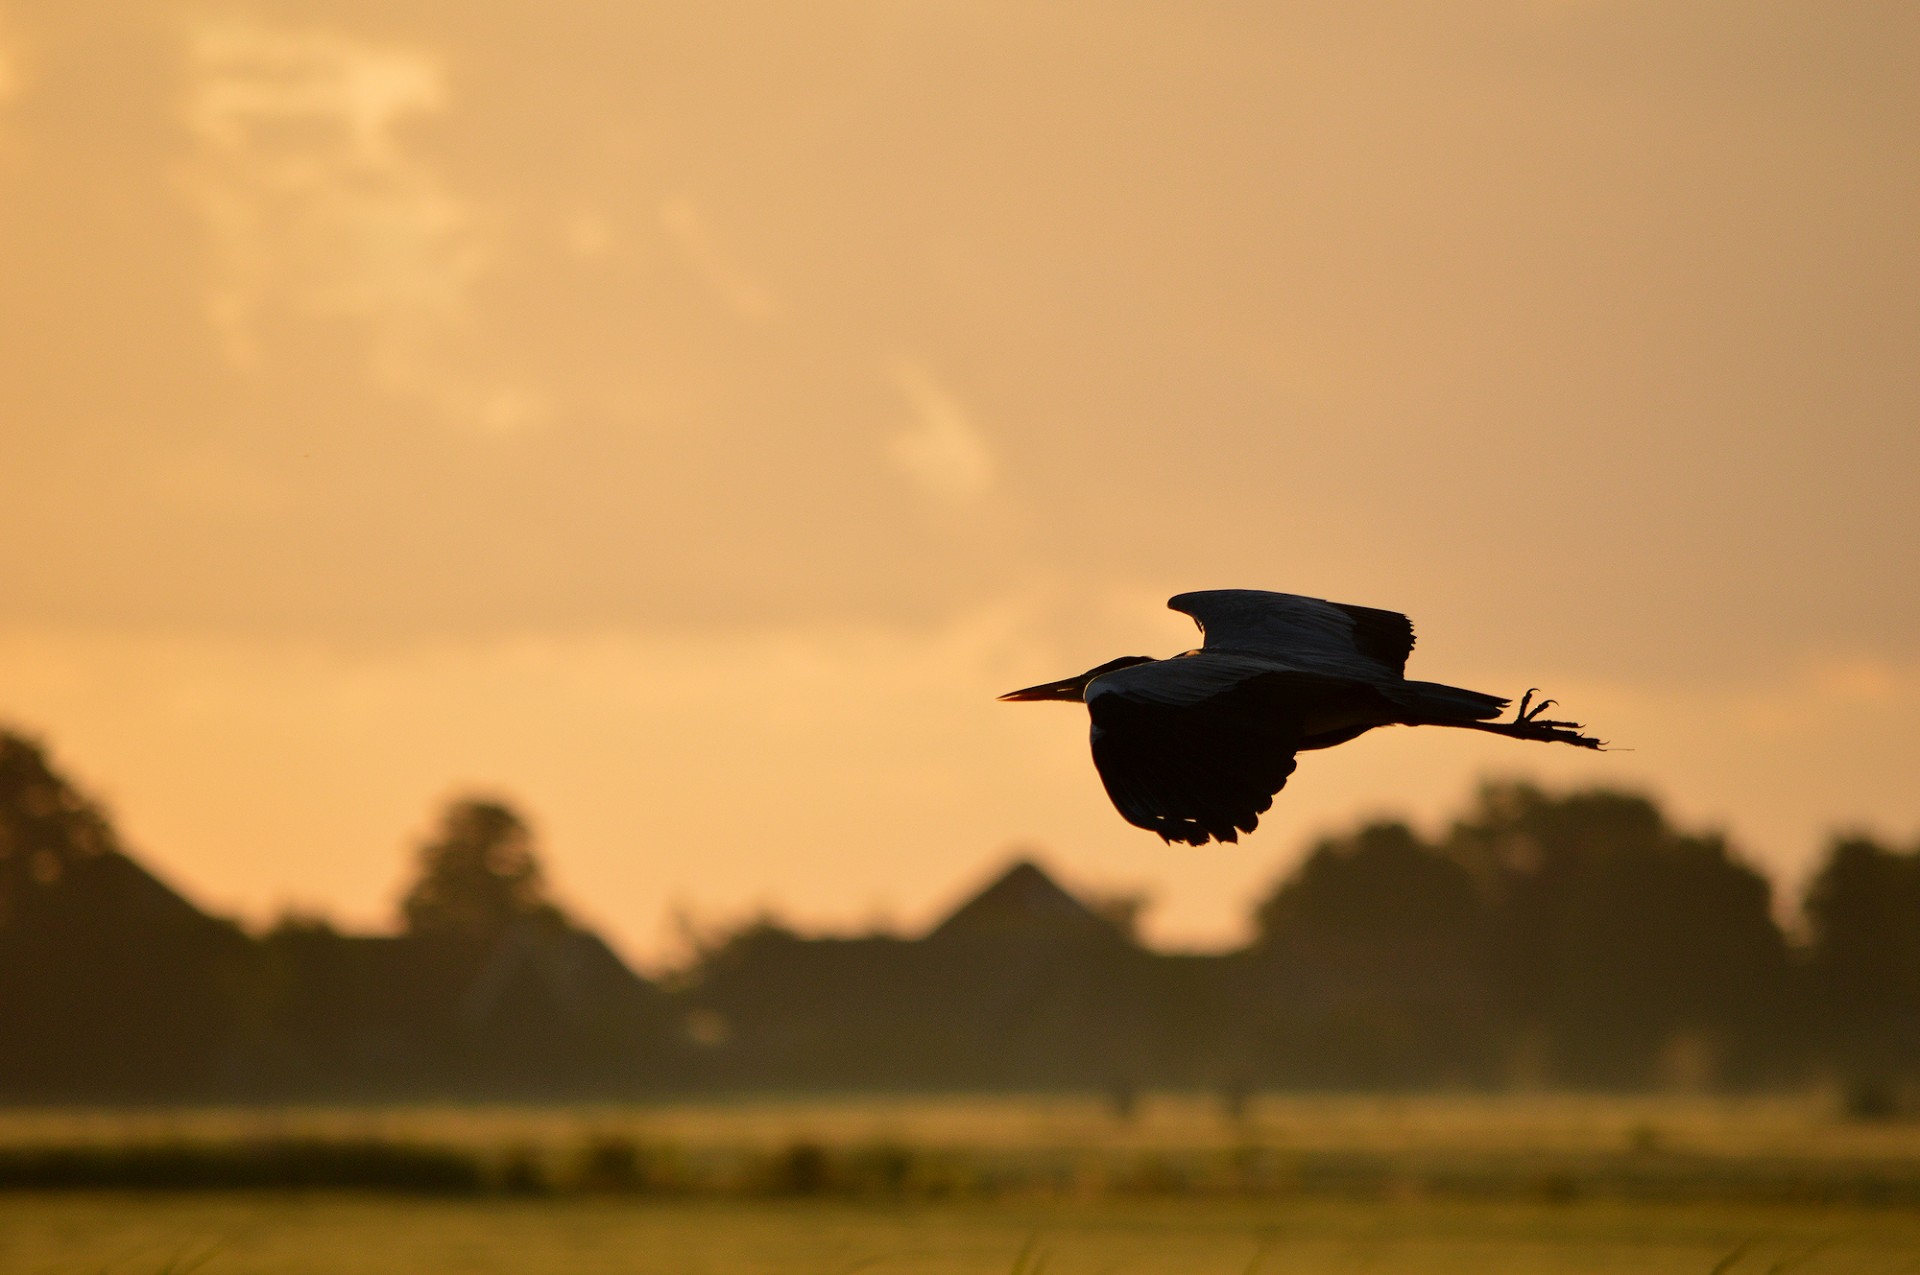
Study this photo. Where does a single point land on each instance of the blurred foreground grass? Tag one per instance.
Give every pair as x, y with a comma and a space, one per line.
298, 1235
1162, 1183
1810, 1124
1520, 1147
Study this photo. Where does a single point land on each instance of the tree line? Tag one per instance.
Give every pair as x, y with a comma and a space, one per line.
1568, 939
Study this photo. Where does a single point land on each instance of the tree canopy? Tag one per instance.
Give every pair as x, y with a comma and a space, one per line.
46, 825
477, 874
1863, 918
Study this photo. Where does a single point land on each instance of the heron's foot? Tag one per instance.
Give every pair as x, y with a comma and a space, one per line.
1530, 713
1528, 710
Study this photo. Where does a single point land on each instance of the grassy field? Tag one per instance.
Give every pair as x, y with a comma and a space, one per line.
1471, 1184
136, 1235
1804, 1125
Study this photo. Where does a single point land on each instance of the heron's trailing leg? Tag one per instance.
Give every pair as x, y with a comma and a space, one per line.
1528, 723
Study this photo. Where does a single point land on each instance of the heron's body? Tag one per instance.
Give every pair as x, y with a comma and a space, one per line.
1195, 747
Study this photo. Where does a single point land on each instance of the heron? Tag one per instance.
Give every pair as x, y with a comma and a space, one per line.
1196, 746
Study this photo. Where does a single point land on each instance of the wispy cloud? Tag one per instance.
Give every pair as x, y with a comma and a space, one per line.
744, 295
311, 197
12, 79
942, 451
317, 207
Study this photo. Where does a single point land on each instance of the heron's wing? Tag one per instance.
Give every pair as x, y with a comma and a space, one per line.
1305, 633
1194, 752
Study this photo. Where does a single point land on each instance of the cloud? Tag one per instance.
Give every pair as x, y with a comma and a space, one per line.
943, 451
1827, 692
13, 83
312, 200
318, 209
744, 295
12, 78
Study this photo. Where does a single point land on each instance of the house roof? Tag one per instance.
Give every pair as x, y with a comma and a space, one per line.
1023, 900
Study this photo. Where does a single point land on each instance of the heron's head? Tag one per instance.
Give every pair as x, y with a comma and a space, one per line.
1075, 688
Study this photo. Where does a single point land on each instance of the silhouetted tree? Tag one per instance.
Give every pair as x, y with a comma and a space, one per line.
46, 827
509, 996
1863, 914
1371, 964
111, 984
1625, 947
477, 875
1380, 893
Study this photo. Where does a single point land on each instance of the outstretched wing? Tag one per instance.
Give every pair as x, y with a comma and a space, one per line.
1193, 755
1303, 633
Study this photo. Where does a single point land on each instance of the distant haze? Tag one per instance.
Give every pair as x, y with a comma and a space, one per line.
683, 419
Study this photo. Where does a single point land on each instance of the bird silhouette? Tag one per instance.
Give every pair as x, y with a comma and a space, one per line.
1195, 747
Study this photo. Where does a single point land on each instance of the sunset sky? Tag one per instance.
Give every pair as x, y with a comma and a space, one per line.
683, 419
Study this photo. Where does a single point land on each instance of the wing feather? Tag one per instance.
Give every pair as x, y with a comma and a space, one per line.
1302, 632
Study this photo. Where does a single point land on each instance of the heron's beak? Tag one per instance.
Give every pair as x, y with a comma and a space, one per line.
1071, 689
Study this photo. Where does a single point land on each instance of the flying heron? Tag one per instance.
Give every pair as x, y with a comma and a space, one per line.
1194, 747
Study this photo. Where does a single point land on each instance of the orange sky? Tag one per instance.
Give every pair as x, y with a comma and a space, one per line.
683, 419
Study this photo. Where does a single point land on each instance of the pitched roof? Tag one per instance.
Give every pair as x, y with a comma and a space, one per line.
573, 970
1023, 900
